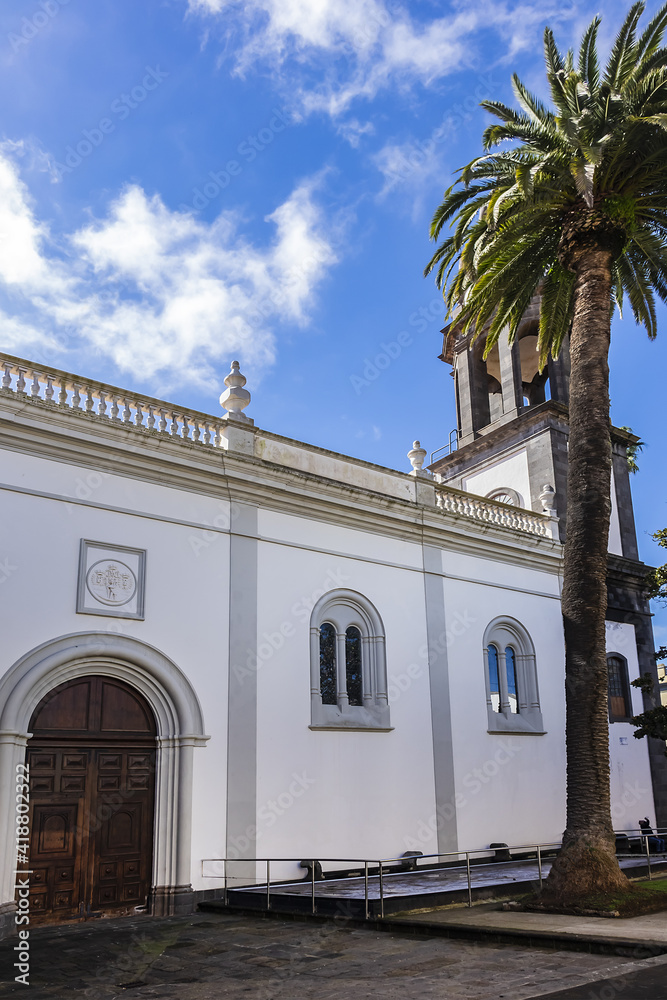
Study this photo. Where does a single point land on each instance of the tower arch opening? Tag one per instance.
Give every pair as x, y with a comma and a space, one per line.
535, 384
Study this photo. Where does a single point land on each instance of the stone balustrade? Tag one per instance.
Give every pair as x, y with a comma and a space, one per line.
62, 390
490, 512
98, 401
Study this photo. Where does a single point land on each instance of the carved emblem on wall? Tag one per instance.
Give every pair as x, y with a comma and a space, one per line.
111, 580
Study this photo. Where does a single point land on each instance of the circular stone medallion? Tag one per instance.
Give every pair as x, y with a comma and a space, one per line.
111, 582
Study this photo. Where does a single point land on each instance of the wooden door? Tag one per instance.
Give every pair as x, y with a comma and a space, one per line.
92, 780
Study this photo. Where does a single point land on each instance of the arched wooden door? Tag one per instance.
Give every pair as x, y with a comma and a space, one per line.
92, 788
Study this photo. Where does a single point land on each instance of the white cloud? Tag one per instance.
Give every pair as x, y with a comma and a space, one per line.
21, 237
358, 47
353, 130
161, 293
410, 164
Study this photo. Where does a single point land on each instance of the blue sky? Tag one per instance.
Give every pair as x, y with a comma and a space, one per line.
188, 181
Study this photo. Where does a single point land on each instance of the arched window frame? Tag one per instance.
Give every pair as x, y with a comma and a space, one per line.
515, 498
625, 684
501, 633
342, 609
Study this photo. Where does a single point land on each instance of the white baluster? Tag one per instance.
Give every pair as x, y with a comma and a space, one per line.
151, 418
7, 377
217, 440
207, 433
35, 387
185, 430
62, 395
196, 433
76, 398
114, 407
102, 407
174, 424
90, 399
20, 385
48, 392
139, 414
163, 421
127, 413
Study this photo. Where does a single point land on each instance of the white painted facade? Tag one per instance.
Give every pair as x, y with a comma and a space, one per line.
243, 535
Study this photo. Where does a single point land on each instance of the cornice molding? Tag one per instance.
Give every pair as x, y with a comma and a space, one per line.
90, 442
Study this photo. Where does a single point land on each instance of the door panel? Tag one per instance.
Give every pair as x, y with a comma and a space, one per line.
123, 842
91, 801
56, 824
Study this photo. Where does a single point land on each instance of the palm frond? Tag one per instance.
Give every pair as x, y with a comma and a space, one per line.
530, 104
592, 159
650, 39
640, 295
622, 58
584, 174
555, 311
589, 69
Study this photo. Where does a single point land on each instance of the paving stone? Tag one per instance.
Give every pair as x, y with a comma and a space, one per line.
231, 957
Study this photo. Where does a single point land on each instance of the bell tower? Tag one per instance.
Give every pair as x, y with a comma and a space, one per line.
511, 438
510, 445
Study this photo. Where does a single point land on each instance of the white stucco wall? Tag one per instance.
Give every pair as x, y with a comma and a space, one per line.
631, 791
363, 787
187, 592
318, 793
511, 471
510, 788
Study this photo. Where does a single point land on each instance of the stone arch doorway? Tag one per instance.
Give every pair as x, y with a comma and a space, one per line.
180, 729
91, 760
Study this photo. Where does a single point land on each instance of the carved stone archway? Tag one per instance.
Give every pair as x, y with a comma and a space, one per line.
180, 728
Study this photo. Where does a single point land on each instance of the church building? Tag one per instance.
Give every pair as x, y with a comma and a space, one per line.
218, 642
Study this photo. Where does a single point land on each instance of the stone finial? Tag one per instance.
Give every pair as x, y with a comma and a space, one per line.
235, 398
548, 500
417, 454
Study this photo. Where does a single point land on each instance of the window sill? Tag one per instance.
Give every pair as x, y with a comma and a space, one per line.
350, 727
521, 724
355, 717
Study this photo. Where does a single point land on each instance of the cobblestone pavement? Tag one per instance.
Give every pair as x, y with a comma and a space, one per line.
211, 956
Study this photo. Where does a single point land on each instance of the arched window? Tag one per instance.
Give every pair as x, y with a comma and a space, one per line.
494, 679
512, 696
510, 668
505, 494
348, 667
353, 665
620, 705
328, 663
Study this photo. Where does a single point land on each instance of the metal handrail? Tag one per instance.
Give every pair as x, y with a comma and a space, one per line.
367, 863
381, 864
451, 446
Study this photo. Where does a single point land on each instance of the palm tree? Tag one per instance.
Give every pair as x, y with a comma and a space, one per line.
573, 207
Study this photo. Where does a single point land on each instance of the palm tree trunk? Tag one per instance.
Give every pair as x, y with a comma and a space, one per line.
587, 861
